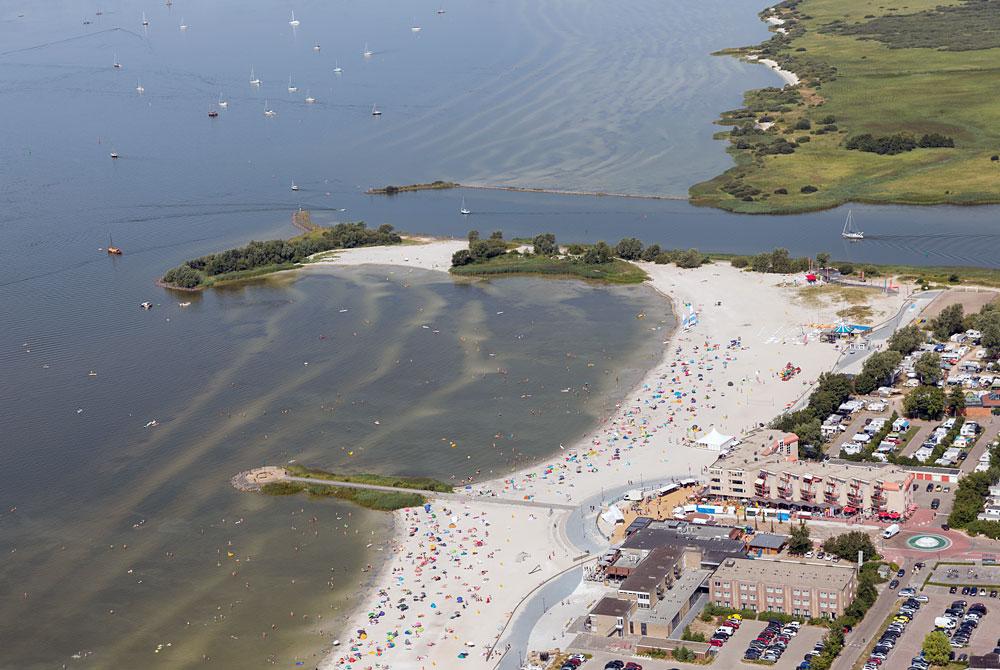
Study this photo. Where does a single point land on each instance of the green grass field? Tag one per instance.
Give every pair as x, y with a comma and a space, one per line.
615, 272
884, 81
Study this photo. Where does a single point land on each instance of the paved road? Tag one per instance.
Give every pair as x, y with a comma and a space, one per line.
912, 308
464, 497
857, 640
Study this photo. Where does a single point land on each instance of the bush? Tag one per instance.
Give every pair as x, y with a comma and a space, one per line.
688, 636
629, 248
739, 262
828, 119
461, 257
781, 191
684, 654
802, 124
808, 188
845, 268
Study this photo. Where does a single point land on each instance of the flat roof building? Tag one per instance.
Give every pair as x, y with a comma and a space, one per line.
799, 588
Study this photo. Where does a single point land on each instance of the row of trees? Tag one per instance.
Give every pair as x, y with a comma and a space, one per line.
830, 392
890, 145
970, 495
279, 252
845, 545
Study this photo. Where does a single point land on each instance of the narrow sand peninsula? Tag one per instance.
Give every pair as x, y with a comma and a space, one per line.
480, 560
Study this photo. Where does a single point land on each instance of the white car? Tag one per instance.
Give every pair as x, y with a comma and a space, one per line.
907, 592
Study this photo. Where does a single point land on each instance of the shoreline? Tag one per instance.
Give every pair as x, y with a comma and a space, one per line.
648, 435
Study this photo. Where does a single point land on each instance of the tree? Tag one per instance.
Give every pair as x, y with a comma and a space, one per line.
937, 648
906, 340
822, 259
650, 253
956, 400
692, 258
877, 371
683, 654
629, 248
461, 257
598, 253
799, 542
496, 235
809, 432
473, 236
949, 321
847, 545
925, 402
545, 244
928, 368
988, 324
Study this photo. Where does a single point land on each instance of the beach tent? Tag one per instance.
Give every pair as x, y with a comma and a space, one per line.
716, 441
843, 329
612, 516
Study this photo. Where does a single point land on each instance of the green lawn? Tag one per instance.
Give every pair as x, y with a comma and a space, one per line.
614, 272
882, 85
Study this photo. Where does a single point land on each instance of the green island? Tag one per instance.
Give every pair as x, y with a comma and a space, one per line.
372, 499
895, 104
430, 186
261, 258
598, 262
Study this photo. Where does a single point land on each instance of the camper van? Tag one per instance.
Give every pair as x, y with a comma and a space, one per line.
891, 531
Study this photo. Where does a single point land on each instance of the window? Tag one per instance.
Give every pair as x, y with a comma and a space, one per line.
642, 628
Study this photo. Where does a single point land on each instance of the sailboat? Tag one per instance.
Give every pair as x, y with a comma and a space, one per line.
316, 47
376, 111
850, 232
295, 187
309, 99
115, 64
145, 21
367, 53
414, 28
139, 88
254, 79
291, 87
223, 103
268, 111
465, 210
184, 26
294, 22
440, 10
112, 249
336, 67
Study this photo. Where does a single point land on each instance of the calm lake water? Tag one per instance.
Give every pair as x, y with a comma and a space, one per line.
118, 537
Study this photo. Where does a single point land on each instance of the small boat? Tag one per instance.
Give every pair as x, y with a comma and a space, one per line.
146, 305
367, 53
309, 99
184, 26
376, 111
316, 47
336, 67
116, 64
152, 424
112, 249
294, 22
850, 232
212, 114
268, 111
291, 87
114, 155
91, 374
139, 88
295, 187
145, 21
184, 304
465, 210
414, 28
440, 10
254, 79
223, 103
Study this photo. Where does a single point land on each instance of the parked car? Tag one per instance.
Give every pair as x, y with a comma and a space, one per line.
935, 503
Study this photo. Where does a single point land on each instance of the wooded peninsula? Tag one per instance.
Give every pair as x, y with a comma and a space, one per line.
894, 104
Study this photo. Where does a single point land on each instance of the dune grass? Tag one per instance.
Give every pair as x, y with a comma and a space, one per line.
882, 83
614, 272
383, 501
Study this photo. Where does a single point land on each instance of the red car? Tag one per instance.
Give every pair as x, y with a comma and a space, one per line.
632, 666
715, 643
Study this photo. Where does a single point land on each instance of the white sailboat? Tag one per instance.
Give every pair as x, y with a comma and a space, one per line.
440, 10
850, 232
291, 87
295, 187
145, 21
268, 112
414, 28
367, 53
465, 210
139, 88
376, 111
294, 22
316, 47
309, 99
254, 79
336, 67
115, 64
184, 26
222, 102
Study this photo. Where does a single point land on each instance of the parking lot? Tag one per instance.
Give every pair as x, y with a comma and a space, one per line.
731, 655
909, 644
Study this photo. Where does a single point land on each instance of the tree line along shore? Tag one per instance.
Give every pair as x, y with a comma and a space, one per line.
893, 105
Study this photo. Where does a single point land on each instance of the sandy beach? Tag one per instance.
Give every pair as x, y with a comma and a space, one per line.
480, 560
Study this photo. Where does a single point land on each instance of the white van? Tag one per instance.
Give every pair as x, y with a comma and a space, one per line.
891, 531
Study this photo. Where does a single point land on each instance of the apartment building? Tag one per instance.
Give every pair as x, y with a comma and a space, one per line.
799, 588
768, 471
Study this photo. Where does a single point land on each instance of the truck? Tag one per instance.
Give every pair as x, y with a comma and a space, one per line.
891, 531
